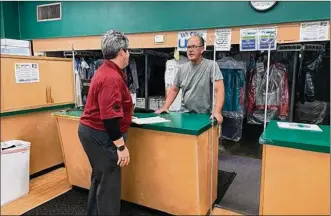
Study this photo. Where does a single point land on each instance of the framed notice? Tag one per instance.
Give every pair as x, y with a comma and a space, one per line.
248, 39
223, 39
27, 72
314, 31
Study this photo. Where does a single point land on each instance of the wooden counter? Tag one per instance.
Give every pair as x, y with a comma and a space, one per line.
173, 166
295, 171
39, 128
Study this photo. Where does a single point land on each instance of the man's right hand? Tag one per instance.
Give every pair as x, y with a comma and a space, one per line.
162, 110
123, 157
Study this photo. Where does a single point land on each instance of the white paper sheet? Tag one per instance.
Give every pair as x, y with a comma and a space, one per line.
299, 126
149, 120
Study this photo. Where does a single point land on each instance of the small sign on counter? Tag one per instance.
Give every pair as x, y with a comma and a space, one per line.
299, 126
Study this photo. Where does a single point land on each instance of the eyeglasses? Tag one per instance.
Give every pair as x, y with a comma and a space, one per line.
193, 47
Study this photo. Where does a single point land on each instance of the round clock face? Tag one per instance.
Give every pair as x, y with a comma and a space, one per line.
262, 5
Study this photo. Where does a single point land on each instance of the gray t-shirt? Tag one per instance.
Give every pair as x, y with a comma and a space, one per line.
196, 84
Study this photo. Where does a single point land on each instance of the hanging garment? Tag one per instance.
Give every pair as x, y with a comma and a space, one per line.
83, 69
78, 91
234, 83
169, 76
132, 74
311, 67
91, 69
234, 73
311, 112
232, 128
278, 98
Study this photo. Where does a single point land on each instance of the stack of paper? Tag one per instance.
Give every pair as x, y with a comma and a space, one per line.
150, 120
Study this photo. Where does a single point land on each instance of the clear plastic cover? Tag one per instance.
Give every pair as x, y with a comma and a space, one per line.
234, 74
311, 112
278, 94
310, 69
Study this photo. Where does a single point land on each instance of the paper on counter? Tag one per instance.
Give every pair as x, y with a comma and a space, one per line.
299, 126
149, 120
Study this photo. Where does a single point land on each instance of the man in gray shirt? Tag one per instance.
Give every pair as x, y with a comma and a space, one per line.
195, 78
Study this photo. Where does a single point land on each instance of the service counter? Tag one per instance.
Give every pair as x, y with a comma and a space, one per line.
295, 171
173, 167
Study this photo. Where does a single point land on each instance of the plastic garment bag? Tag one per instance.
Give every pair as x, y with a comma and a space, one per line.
234, 73
278, 95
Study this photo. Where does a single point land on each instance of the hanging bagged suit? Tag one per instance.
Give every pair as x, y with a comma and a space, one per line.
278, 95
313, 106
234, 73
132, 76
169, 76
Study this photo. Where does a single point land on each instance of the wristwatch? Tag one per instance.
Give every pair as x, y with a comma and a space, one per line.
121, 148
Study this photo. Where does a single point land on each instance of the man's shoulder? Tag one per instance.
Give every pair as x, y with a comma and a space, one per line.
208, 61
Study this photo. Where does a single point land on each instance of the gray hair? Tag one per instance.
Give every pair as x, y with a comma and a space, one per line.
112, 42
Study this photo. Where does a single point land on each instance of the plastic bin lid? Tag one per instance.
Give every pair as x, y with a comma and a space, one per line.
14, 145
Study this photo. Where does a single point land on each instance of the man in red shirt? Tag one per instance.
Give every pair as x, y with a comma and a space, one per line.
103, 125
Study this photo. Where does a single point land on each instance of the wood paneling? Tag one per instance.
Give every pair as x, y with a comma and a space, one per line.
41, 130
55, 86
294, 182
175, 168
287, 33
42, 189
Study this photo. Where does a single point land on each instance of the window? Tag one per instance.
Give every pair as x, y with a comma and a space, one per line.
49, 12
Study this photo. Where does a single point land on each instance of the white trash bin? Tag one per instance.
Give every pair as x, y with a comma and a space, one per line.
15, 173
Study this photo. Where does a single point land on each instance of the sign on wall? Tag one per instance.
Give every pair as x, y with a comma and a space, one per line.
223, 39
266, 36
248, 39
26, 72
183, 37
314, 31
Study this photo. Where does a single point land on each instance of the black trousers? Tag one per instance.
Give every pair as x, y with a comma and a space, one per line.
105, 191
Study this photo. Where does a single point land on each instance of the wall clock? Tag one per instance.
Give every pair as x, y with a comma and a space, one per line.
262, 5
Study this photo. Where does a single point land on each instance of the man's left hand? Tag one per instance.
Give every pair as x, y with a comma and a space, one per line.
218, 117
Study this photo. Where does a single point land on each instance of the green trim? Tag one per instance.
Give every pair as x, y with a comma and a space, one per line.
181, 123
36, 110
314, 141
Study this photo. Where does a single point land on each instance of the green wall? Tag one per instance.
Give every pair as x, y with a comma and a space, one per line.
9, 19
94, 18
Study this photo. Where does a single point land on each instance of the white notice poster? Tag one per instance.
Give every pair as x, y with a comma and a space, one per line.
185, 35
299, 126
26, 72
314, 31
223, 39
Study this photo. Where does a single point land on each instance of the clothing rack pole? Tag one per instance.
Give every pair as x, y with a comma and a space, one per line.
146, 82
294, 78
273, 38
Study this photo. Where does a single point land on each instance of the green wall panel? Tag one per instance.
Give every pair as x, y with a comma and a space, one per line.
2, 23
9, 20
94, 18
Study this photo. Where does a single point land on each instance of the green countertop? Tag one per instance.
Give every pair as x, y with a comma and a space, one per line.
183, 123
316, 141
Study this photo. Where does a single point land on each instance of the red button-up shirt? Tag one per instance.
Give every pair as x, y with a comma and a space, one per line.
108, 98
